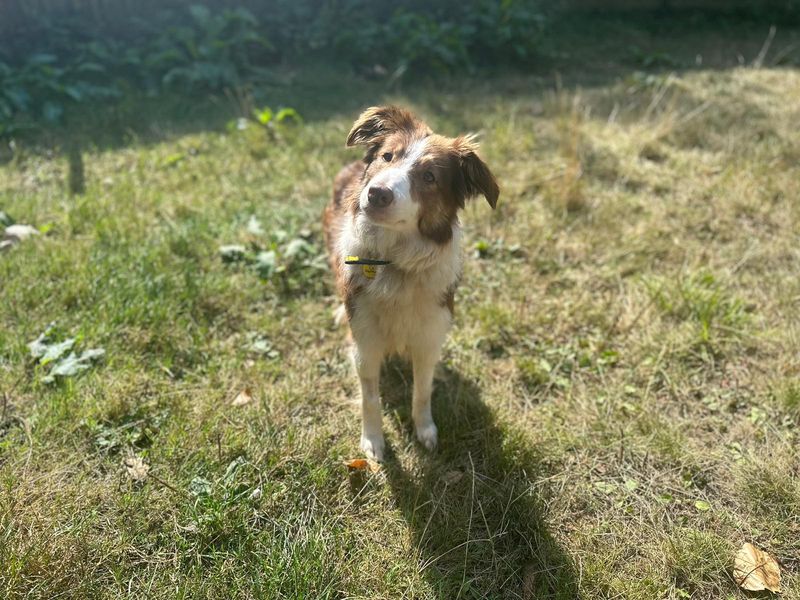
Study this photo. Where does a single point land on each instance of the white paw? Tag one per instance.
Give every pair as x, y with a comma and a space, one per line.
428, 435
372, 446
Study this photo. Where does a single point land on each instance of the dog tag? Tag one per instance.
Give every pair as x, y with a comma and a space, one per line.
369, 271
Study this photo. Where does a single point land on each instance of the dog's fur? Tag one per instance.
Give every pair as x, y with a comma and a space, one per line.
419, 181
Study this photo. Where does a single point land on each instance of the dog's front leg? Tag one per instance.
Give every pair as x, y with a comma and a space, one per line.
367, 358
424, 358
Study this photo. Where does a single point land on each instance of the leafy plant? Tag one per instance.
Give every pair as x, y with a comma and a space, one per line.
290, 263
418, 36
267, 118
40, 88
213, 50
206, 49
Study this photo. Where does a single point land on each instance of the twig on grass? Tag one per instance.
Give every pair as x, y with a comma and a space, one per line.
167, 485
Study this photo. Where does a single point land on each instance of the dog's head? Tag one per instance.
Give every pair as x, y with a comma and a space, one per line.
415, 179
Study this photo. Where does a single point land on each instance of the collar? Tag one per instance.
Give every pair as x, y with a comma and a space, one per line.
355, 260
367, 265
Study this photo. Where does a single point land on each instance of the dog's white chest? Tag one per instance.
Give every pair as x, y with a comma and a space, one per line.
401, 310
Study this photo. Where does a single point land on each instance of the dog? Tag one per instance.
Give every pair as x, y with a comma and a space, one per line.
393, 235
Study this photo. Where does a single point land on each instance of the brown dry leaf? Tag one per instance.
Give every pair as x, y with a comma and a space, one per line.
136, 468
362, 464
755, 570
452, 477
242, 398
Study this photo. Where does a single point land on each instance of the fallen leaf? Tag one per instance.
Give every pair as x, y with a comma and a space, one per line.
200, 486
136, 468
48, 352
452, 477
242, 398
261, 345
362, 464
74, 364
39, 346
755, 570
56, 351
702, 505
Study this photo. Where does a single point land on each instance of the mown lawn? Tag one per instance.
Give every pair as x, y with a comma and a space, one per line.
619, 399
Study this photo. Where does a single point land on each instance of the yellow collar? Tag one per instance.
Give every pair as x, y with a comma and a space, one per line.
367, 265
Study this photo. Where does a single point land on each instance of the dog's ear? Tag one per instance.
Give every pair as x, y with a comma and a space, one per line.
377, 122
476, 178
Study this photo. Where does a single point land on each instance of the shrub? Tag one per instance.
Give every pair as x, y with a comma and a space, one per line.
83, 55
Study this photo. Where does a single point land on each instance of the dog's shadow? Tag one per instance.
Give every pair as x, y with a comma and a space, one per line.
473, 507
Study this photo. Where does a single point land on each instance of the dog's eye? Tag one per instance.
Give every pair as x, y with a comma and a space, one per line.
428, 177
387, 156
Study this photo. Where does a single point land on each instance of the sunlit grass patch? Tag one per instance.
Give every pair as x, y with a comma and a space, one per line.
716, 313
617, 402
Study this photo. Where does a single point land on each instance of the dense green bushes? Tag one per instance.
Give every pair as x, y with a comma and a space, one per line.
78, 56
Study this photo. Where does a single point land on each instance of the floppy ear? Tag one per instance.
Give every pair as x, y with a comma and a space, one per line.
379, 121
478, 179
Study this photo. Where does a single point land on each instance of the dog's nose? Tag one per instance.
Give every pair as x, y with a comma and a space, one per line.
380, 196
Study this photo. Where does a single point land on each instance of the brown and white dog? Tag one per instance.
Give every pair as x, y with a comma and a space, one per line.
399, 208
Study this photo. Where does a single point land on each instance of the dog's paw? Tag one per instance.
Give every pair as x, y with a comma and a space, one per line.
428, 435
372, 446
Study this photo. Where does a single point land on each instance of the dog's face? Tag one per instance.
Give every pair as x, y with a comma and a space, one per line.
414, 179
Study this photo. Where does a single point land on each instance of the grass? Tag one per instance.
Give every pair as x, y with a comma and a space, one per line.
617, 404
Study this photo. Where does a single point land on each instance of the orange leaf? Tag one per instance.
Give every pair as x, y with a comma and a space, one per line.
362, 464
756, 570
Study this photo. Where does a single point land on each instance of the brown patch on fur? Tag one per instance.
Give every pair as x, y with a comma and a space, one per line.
374, 124
459, 174
346, 181
449, 299
345, 189
477, 178
439, 200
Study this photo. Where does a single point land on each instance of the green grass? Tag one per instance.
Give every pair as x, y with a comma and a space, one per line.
618, 402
